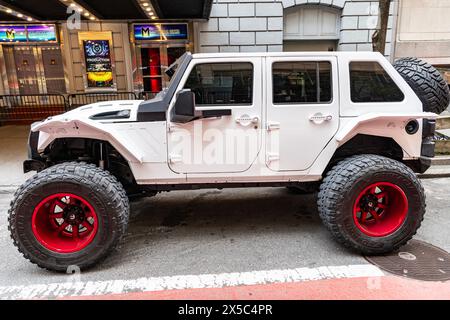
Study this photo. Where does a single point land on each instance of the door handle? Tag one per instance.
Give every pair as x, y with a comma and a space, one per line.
319, 118
245, 120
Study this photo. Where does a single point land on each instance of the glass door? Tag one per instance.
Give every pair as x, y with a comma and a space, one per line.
152, 61
26, 69
53, 68
151, 69
34, 69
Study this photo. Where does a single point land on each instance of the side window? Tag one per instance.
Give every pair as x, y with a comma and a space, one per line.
301, 82
369, 82
222, 83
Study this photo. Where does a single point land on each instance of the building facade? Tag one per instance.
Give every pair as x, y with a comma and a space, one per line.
44, 57
291, 25
424, 32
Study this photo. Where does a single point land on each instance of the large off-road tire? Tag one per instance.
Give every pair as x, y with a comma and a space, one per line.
427, 83
69, 215
371, 204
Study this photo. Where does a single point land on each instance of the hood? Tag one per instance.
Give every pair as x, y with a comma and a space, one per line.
102, 112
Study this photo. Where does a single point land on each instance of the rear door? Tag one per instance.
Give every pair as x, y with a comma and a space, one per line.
302, 110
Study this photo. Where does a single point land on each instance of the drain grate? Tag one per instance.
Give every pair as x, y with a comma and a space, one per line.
416, 260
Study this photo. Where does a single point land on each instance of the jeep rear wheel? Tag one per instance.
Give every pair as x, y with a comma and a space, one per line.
371, 204
427, 83
72, 214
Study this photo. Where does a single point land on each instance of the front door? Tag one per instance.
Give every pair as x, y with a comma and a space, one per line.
229, 142
53, 69
26, 70
302, 110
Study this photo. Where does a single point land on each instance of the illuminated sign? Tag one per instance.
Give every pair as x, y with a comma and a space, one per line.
98, 63
39, 33
13, 34
160, 31
28, 33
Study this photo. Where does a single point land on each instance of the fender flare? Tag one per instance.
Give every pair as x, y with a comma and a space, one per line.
385, 125
53, 129
356, 124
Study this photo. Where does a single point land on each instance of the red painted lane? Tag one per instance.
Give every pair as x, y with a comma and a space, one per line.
389, 287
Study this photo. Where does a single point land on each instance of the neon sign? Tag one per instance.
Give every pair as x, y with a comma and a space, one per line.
160, 31
28, 33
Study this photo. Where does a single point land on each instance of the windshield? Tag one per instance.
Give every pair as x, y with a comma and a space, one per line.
173, 69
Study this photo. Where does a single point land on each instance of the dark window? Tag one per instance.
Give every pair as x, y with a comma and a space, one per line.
301, 82
370, 83
222, 83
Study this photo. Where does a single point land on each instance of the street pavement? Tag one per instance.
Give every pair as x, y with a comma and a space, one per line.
176, 235
239, 239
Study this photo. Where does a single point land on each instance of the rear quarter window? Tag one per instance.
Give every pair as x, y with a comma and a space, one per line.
369, 82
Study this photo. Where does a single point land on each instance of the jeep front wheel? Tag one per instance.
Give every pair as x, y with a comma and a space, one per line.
371, 204
70, 215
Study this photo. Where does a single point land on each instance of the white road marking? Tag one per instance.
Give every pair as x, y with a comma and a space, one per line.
94, 288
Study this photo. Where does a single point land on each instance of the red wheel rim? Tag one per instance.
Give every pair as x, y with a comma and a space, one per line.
64, 223
380, 209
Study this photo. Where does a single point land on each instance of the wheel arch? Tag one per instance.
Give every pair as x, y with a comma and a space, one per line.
101, 153
58, 129
371, 144
368, 144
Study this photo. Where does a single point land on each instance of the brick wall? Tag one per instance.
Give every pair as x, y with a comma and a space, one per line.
257, 25
242, 26
359, 19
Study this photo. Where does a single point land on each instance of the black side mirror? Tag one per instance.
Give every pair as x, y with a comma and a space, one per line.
184, 108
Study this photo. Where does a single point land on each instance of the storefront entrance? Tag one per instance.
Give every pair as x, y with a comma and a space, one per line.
34, 69
155, 47
152, 60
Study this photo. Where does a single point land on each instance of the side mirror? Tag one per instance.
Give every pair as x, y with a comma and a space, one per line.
184, 108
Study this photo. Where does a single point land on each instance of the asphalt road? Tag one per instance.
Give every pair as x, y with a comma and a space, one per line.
212, 231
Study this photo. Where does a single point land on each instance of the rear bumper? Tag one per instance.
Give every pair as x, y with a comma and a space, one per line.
428, 130
423, 163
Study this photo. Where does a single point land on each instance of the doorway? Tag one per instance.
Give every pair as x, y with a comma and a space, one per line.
152, 61
34, 69
311, 28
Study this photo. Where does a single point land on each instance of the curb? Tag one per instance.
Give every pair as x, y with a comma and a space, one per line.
433, 175
440, 161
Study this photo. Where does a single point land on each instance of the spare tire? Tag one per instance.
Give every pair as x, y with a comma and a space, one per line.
427, 83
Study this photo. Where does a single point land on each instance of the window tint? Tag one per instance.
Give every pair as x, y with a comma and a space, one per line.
370, 83
221, 83
301, 82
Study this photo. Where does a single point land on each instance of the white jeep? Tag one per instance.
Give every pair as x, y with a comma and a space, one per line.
350, 125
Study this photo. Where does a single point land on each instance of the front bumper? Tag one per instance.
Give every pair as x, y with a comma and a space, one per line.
34, 162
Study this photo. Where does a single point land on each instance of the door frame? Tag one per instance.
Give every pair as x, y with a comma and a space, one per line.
138, 77
258, 105
334, 104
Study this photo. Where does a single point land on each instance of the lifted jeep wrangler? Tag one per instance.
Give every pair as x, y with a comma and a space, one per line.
350, 125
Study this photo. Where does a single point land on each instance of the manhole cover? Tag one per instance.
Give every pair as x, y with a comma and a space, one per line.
416, 260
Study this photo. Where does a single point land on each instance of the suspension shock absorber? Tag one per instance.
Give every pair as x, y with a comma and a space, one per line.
101, 162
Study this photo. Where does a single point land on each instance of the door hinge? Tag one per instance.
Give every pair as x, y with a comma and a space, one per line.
175, 158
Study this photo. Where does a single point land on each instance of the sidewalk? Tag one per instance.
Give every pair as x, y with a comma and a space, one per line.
13, 151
